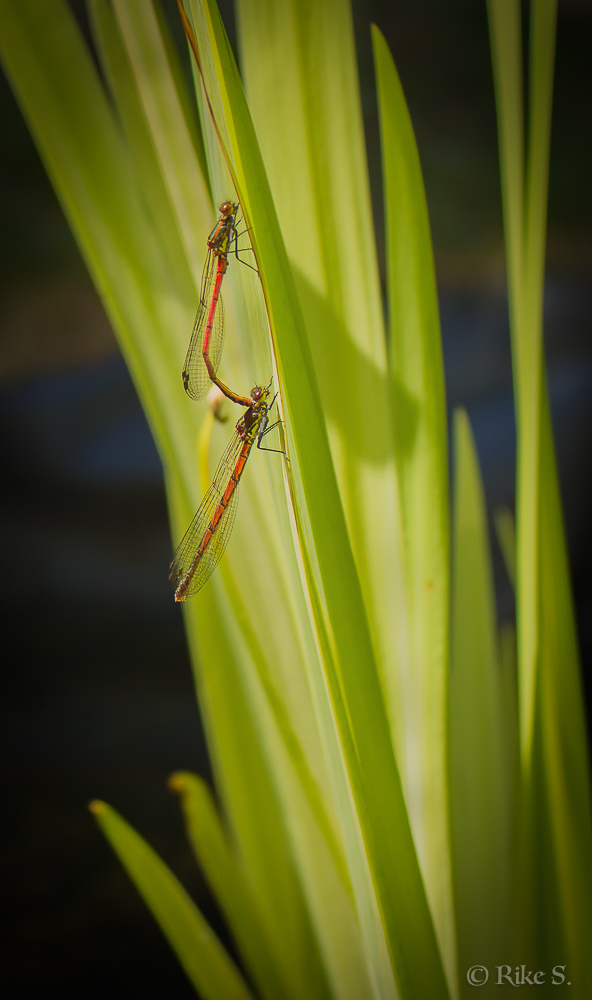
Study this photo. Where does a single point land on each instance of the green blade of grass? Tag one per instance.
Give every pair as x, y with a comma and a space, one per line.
419, 423
506, 52
239, 905
529, 361
209, 968
524, 221
565, 746
481, 783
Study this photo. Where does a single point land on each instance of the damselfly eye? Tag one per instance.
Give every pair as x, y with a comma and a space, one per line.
226, 208
256, 393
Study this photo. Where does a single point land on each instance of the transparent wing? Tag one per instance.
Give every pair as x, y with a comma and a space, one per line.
195, 374
215, 550
187, 559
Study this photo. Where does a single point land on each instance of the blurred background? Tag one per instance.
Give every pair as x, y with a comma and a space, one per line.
98, 698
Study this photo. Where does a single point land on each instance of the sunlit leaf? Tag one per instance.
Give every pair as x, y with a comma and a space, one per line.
418, 688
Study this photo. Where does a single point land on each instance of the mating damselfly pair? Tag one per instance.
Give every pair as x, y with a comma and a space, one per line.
206, 538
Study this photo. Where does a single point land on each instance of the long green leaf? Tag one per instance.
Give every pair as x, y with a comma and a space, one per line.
482, 790
208, 966
232, 891
314, 110
506, 52
419, 425
525, 220
528, 352
565, 746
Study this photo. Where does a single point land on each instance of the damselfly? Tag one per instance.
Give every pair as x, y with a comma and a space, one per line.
206, 538
205, 346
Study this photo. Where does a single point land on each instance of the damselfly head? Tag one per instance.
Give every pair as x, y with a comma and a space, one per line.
227, 209
260, 394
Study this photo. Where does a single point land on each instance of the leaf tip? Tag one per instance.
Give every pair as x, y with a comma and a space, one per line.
177, 782
97, 808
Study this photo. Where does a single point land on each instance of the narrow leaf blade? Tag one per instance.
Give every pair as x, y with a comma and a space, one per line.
418, 699
564, 727
482, 792
199, 951
239, 905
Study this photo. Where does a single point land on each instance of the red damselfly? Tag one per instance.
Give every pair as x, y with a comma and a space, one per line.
205, 346
206, 538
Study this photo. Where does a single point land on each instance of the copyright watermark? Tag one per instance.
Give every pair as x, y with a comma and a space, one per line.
503, 975
477, 975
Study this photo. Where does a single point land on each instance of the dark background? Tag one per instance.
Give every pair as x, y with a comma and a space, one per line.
98, 698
